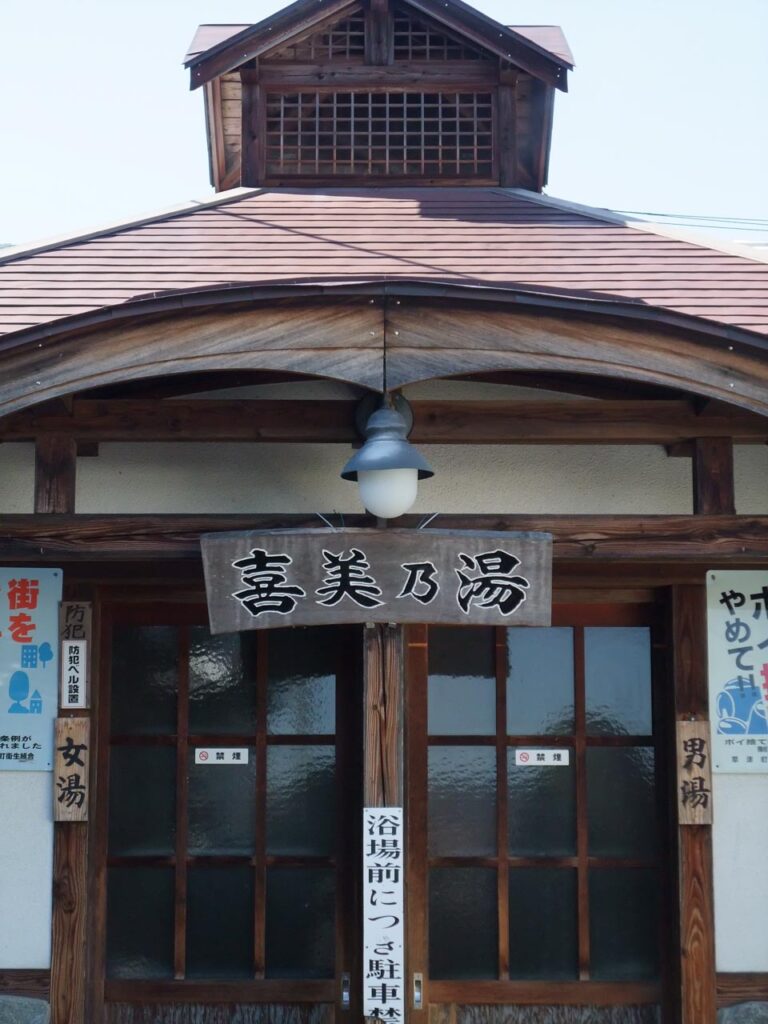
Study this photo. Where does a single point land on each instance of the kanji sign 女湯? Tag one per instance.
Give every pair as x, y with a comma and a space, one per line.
315, 577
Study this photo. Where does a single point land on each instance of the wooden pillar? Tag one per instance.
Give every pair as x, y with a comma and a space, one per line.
713, 490
55, 473
697, 936
251, 159
383, 710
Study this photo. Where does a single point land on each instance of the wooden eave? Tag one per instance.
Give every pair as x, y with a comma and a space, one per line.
298, 18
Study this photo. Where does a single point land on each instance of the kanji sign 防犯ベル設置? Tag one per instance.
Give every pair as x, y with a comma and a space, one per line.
316, 577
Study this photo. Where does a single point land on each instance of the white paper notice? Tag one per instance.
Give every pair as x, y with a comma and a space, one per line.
383, 911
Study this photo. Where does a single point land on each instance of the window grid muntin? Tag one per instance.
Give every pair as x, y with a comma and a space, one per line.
343, 40
392, 133
419, 40
182, 741
579, 741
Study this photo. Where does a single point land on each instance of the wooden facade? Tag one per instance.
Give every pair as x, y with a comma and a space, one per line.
633, 340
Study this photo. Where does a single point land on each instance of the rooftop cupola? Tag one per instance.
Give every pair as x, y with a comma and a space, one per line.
328, 92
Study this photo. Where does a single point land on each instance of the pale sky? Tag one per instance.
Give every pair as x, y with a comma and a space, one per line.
667, 112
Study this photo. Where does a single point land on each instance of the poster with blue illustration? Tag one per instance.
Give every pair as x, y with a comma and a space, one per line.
737, 635
29, 667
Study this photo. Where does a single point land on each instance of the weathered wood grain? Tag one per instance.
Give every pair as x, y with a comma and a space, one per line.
589, 539
70, 909
452, 339
741, 988
309, 563
33, 984
713, 486
698, 1003
55, 473
383, 710
342, 342
435, 422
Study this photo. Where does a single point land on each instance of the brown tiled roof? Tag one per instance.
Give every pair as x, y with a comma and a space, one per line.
548, 37
474, 236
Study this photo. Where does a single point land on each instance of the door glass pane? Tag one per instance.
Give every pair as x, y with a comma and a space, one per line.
540, 681
542, 808
301, 916
144, 680
140, 922
623, 921
222, 807
463, 925
220, 902
618, 680
222, 682
543, 931
462, 801
301, 799
302, 681
621, 801
142, 800
462, 681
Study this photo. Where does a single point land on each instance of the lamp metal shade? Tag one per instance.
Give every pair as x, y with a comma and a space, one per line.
386, 447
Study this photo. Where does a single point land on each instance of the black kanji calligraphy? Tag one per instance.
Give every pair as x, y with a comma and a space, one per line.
421, 583
348, 577
266, 581
493, 586
695, 750
71, 752
694, 792
71, 791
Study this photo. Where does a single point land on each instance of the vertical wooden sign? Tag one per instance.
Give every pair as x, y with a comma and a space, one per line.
72, 751
75, 637
694, 774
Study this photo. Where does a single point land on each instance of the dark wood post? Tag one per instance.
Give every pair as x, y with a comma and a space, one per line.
55, 473
697, 937
713, 490
251, 172
383, 709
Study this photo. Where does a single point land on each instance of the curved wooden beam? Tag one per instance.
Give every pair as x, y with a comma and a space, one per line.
342, 337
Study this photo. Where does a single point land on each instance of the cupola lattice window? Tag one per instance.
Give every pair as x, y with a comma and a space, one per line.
343, 40
420, 40
372, 134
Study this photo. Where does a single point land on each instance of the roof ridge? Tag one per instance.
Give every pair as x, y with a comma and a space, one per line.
651, 228
179, 210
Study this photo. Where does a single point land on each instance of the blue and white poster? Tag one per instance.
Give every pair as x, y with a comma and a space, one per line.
737, 635
29, 667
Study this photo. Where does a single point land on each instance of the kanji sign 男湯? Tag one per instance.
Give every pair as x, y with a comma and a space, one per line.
737, 637
694, 774
315, 577
29, 667
383, 913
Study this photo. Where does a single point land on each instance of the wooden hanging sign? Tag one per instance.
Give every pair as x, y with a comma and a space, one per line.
323, 577
72, 751
694, 774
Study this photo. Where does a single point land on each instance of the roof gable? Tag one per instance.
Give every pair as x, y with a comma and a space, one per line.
212, 53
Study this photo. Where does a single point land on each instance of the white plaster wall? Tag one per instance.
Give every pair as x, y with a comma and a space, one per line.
172, 477
740, 840
17, 478
26, 867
